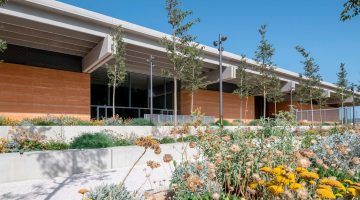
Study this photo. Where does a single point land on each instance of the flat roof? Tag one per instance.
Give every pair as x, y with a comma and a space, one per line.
107, 21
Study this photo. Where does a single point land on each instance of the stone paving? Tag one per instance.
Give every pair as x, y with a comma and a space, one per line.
67, 188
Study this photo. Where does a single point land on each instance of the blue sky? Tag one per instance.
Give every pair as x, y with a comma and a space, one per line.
313, 24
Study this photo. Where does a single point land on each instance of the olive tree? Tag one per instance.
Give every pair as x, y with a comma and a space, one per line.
351, 9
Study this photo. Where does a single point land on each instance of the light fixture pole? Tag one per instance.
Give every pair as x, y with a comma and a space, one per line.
353, 103
151, 62
219, 44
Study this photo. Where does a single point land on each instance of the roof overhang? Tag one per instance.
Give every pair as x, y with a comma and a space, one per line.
56, 26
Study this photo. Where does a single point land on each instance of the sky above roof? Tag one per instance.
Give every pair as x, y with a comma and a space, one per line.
314, 25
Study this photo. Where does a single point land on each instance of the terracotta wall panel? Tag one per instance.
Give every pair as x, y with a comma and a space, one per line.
208, 101
27, 91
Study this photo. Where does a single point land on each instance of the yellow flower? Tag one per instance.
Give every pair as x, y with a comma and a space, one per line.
253, 185
326, 187
295, 186
309, 175
278, 171
281, 180
326, 194
266, 169
291, 177
334, 183
300, 169
276, 189
312, 182
353, 192
348, 181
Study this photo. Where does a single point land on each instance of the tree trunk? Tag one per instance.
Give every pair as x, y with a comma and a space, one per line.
192, 103
321, 118
175, 101
312, 111
264, 114
342, 109
114, 89
301, 111
275, 110
241, 109
246, 106
113, 98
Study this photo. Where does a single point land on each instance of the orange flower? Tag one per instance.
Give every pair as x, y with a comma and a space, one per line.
83, 191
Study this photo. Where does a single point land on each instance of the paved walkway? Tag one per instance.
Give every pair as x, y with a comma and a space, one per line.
67, 188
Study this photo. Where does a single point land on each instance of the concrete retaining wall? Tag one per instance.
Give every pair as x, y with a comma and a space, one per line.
50, 164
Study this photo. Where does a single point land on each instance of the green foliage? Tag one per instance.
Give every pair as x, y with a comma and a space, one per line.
167, 140
351, 9
116, 72
141, 122
263, 55
56, 145
114, 121
123, 142
309, 88
109, 192
5, 121
27, 140
178, 46
225, 123
254, 122
188, 138
179, 179
92, 141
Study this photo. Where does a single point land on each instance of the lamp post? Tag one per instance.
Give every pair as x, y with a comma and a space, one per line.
151, 62
353, 103
219, 44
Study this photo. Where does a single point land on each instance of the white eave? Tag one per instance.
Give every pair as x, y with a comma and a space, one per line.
110, 22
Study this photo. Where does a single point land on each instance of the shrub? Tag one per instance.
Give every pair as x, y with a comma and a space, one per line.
312, 132
254, 122
27, 140
5, 121
225, 123
167, 140
92, 141
109, 192
113, 121
123, 142
339, 151
188, 138
141, 122
198, 170
57, 145
41, 121
4, 145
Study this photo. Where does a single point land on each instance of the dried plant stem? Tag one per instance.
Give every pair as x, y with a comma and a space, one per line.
135, 163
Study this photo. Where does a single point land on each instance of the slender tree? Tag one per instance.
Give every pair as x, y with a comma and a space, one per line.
193, 76
321, 100
263, 55
311, 79
244, 88
176, 45
342, 90
275, 95
3, 44
351, 9
116, 72
301, 94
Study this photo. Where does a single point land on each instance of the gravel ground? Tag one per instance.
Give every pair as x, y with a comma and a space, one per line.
67, 188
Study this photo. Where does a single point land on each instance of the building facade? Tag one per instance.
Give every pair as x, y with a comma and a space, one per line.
55, 64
